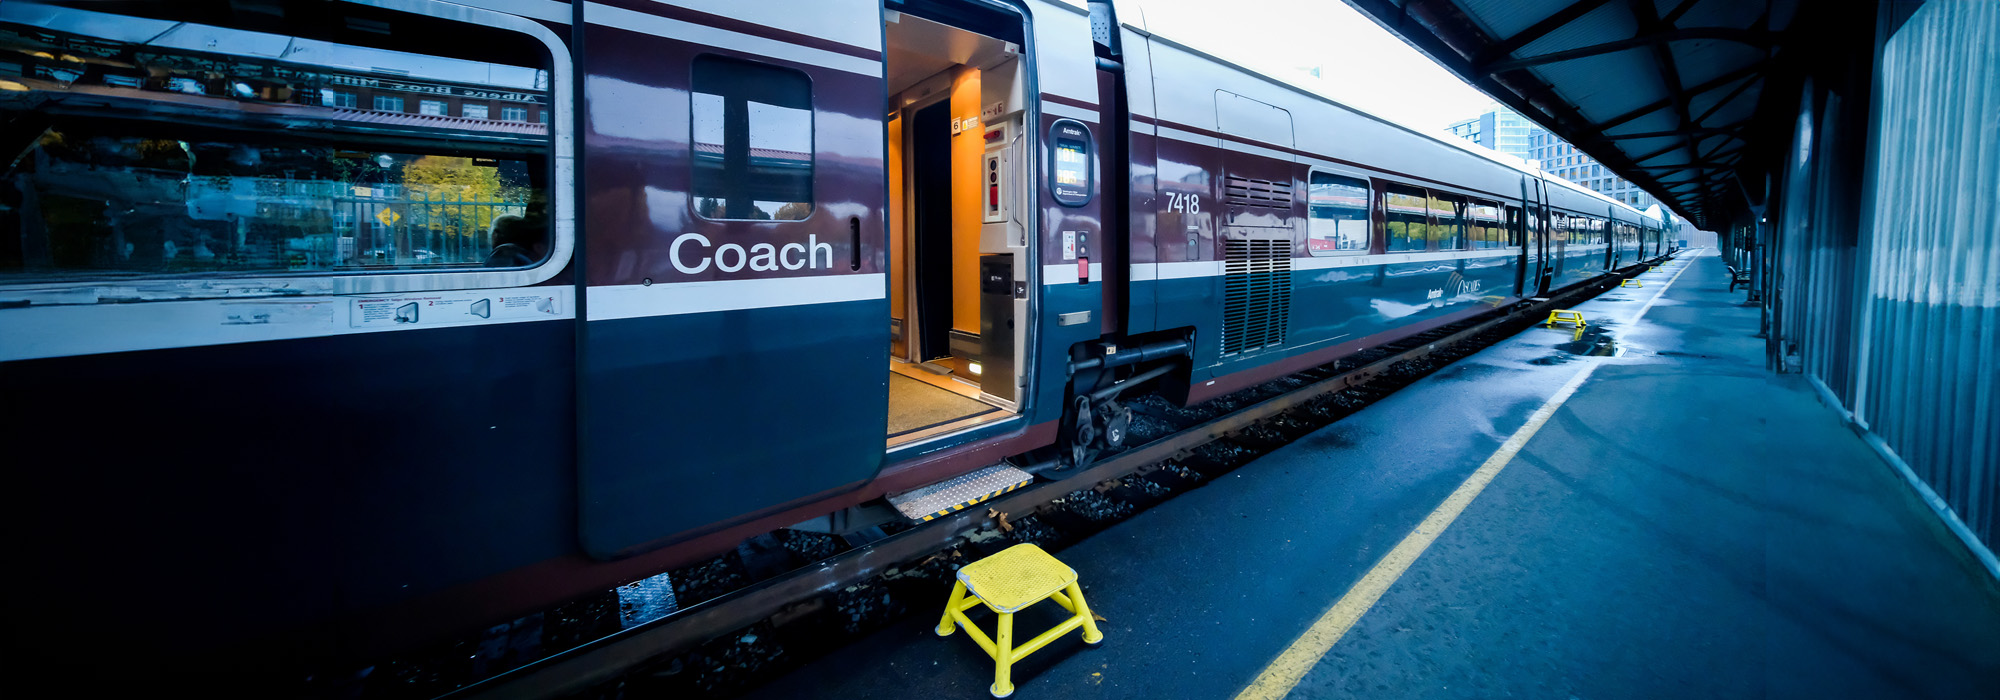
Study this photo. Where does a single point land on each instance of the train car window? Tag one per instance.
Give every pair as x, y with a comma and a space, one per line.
1448, 211
1337, 214
143, 142
753, 140
1407, 211
1559, 228
1516, 235
1483, 218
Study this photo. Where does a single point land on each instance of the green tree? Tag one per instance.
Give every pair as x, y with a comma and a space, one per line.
448, 179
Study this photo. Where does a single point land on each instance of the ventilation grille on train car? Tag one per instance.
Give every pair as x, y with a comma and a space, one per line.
1257, 294
1257, 193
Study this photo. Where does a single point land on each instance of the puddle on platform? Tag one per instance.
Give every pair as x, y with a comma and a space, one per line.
1589, 341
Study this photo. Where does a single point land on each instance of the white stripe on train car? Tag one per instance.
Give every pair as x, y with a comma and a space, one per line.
60, 330
1214, 268
1188, 269
1334, 261
1065, 273
629, 20
669, 299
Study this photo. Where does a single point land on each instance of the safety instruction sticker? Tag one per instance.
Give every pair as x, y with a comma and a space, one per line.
450, 308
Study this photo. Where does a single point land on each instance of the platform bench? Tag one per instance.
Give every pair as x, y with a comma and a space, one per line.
1737, 277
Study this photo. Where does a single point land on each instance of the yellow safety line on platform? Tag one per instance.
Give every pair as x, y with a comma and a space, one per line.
1285, 672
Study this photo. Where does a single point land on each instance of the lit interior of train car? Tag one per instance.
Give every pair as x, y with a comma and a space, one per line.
957, 244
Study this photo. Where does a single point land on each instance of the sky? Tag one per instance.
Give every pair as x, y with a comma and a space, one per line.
1361, 64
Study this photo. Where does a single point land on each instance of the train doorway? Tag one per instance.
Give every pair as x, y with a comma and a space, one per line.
957, 225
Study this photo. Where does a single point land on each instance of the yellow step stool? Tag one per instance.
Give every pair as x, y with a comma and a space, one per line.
1007, 583
1566, 316
1631, 283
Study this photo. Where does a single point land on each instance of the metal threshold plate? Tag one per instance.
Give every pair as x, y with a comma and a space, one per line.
959, 492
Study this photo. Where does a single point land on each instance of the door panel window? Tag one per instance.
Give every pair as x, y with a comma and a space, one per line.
753, 141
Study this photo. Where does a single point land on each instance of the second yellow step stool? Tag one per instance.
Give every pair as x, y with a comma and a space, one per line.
1009, 582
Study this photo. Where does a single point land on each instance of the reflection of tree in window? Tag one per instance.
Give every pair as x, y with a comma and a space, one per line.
753, 141
1408, 215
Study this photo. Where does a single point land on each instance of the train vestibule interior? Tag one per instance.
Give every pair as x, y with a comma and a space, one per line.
958, 249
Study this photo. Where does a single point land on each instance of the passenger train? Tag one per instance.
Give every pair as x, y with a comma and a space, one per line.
332, 328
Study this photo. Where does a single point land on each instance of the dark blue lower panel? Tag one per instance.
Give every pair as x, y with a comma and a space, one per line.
176, 501
695, 419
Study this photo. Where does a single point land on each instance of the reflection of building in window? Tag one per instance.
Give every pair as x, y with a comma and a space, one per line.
1338, 215
385, 103
752, 140
336, 98
513, 114
473, 111
434, 108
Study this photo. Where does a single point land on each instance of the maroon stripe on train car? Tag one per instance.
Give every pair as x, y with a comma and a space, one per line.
1263, 373
1071, 101
742, 27
1248, 142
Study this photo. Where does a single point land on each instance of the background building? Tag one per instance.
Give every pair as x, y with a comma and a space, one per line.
1503, 130
1500, 129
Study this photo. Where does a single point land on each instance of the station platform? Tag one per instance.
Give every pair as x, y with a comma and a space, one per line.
1684, 523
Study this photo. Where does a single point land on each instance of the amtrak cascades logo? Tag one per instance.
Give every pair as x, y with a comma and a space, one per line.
693, 253
1455, 287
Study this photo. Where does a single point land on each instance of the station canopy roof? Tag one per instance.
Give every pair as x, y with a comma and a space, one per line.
1659, 91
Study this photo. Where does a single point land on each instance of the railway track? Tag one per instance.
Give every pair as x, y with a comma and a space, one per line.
728, 642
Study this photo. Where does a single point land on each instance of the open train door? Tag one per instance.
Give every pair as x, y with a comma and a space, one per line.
733, 335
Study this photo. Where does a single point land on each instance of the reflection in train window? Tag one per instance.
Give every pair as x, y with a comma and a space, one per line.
149, 145
753, 140
1337, 215
1407, 210
1447, 210
1483, 218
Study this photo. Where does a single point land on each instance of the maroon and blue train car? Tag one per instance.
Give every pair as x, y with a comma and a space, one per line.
333, 328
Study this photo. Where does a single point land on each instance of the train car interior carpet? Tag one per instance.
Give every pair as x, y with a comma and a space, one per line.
953, 340
916, 406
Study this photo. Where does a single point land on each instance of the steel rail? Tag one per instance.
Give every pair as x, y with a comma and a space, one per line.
604, 660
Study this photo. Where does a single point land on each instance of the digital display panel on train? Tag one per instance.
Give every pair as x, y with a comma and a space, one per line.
1070, 176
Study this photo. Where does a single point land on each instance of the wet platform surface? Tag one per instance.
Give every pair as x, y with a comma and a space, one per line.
1687, 524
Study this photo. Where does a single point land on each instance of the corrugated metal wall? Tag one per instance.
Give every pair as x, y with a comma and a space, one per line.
1894, 306
1929, 373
